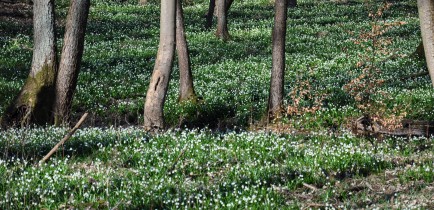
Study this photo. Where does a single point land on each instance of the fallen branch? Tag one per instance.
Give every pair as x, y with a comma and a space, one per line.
368, 127
313, 188
68, 136
415, 75
316, 205
177, 159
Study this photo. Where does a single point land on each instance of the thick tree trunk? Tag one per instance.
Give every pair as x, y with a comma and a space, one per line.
275, 101
156, 95
222, 23
426, 16
186, 89
35, 100
70, 60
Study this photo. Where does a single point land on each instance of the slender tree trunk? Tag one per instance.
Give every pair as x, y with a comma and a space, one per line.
212, 11
156, 95
186, 89
292, 3
210, 14
419, 52
35, 100
70, 60
426, 16
228, 5
222, 23
275, 101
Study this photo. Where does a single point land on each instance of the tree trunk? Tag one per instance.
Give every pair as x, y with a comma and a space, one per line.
212, 11
292, 3
186, 89
275, 100
222, 23
419, 52
143, 2
210, 14
228, 5
426, 16
35, 100
156, 94
70, 60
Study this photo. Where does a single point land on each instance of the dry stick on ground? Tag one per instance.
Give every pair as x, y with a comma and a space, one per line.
68, 136
415, 75
313, 188
177, 159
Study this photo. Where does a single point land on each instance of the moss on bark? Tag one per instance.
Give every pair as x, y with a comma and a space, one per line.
35, 100
189, 95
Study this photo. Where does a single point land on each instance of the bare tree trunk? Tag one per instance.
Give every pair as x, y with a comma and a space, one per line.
156, 95
210, 14
426, 16
143, 2
228, 5
419, 52
222, 23
72, 52
275, 101
186, 89
35, 100
292, 3
213, 11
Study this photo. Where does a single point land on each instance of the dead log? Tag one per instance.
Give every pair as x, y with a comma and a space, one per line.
426, 127
409, 128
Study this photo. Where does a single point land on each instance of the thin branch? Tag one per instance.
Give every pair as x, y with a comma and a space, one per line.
313, 188
68, 136
177, 158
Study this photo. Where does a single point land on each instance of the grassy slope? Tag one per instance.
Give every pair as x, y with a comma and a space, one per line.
127, 168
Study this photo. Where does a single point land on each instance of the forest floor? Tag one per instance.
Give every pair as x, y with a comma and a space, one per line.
219, 153
382, 190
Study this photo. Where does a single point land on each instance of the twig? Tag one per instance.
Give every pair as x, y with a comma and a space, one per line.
415, 75
394, 81
68, 136
315, 205
177, 159
313, 188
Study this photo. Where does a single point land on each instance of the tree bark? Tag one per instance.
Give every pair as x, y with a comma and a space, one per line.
35, 100
72, 52
275, 101
212, 11
143, 2
426, 16
156, 94
210, 14
419, 52
222, 23
292, 3
186, 88
228, 5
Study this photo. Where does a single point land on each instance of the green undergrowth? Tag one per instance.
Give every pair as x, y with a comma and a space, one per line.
128, 168
315, 163
324, 46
